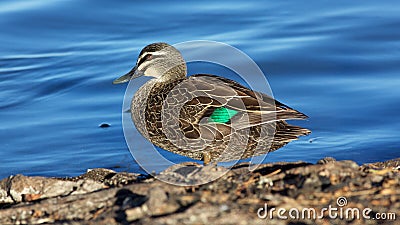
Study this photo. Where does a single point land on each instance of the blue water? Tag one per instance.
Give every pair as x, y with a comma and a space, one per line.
337, 62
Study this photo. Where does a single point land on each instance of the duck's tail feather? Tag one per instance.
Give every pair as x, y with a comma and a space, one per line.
286, 133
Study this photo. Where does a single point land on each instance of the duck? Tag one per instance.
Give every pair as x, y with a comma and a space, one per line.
204, 116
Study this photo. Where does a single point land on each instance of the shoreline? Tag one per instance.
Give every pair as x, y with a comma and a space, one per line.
102, 196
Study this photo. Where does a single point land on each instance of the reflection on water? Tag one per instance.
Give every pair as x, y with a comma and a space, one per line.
338, 63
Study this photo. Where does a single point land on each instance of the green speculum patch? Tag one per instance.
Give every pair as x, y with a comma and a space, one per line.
222, 115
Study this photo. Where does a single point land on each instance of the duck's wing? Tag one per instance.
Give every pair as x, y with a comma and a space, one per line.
219, 104
241, 102
257, 101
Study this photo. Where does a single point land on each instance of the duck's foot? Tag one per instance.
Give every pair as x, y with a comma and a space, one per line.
206, 158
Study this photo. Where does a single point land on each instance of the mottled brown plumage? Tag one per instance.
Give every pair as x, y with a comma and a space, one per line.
203, 116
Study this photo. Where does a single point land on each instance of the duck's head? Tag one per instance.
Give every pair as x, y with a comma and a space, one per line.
159, 60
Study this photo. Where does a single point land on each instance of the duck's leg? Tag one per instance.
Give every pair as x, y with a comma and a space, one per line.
206, 158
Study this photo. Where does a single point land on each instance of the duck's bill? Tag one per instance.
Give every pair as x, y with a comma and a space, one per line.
134, 73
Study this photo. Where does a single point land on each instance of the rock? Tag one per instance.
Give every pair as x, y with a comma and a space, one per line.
5, 198
236, 196
104, 125
191, 174
107, 177
22, 188
326, 160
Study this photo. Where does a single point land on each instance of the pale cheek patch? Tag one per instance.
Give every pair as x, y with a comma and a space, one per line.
151, 72
142, 66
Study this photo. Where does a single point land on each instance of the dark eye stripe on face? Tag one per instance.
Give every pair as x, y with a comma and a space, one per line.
144, 58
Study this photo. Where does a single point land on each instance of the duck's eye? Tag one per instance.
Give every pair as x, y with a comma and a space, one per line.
148, 57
